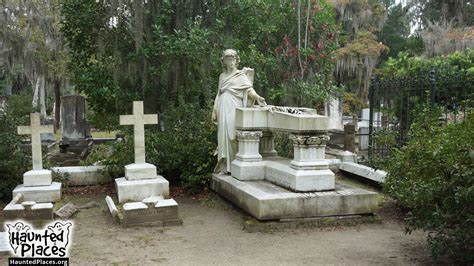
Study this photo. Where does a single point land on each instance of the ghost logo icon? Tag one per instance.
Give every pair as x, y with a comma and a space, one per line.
14, 231
62, 230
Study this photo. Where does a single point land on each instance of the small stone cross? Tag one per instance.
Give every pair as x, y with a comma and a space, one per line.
35, 131
138, 120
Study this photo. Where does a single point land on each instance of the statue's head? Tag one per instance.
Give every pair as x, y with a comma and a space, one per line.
228, 56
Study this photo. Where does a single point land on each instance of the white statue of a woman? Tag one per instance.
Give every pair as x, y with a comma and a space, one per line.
235, 90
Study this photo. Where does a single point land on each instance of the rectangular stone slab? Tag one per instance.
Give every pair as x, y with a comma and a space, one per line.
82, 175
111, 205
51, 193
363, 171
138, 213
137, 190
38, 212
139, 171
66, 211
263, 119
35, 178
280, 173
267, 201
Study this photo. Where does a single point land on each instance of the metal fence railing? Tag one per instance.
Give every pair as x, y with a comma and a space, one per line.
395, 102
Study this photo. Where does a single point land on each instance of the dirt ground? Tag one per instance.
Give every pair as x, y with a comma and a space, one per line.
213, 234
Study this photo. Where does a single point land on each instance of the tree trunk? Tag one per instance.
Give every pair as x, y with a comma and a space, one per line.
57, 104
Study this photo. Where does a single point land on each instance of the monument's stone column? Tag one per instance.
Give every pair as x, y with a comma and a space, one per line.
309, 151
248, 164
267, 144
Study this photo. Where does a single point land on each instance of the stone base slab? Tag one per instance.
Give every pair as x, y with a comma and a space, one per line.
140, 171
279, 171
248, 170
36, 212
363, 171
35, 178
267, 201
299, 180
82, 175
137, 190
139, 213
40, 194
252, 225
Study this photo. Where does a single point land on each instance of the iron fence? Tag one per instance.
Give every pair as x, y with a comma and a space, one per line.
394, 103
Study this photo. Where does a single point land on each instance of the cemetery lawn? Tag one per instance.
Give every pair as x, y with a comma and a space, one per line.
213, 234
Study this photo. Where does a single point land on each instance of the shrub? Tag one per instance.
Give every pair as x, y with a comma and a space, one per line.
433, 177
185, 146
182, 149
14, 160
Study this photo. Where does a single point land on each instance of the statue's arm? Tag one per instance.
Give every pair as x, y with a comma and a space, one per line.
254, 96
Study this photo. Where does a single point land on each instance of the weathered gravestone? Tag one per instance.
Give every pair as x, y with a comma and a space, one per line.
37, 183
142, 188
73, 119
75, 129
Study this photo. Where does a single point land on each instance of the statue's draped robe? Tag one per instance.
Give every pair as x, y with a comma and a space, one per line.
232, 93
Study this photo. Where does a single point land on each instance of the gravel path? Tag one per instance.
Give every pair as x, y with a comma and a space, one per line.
213, 234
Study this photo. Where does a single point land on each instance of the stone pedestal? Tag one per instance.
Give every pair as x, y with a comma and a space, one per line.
311, 169
40, 194
139, 171
40, 177
278, 172
141, 181
248, 163
309, 152
137, 190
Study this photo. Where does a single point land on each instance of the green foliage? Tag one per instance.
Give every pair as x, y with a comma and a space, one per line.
175, 54
185, 148
396, 34
405, 65
433, 177
351, 104
283, 144
15, 159
182, 149
114, 155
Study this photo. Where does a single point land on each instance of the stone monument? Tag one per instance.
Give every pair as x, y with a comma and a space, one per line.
141, 179
275, 188
145, 194
37, 183
268, 186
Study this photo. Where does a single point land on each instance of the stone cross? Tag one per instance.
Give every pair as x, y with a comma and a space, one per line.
138, 120
35, 131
